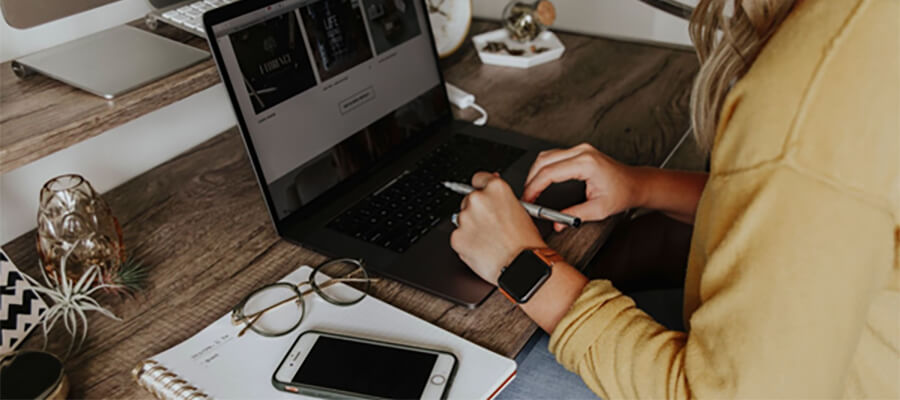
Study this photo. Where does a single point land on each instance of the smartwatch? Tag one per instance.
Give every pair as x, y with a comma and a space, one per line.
525, 275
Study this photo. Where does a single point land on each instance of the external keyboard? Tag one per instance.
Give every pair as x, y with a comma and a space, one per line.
190, 17
403, 211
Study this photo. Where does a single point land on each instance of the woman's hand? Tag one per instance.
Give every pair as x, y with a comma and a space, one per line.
610, 186
493, 227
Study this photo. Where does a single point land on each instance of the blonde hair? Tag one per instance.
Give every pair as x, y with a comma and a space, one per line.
727, 55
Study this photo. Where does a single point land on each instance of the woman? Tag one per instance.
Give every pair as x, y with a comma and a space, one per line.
793, 281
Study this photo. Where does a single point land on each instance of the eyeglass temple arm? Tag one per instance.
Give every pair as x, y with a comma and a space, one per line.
308, 291
672, 7
250, 323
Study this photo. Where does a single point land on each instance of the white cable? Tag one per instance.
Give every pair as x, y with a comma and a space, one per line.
483, 119
463, 100
675, 149
641, 211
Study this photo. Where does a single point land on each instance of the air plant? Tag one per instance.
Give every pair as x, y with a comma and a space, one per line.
126, 280
72, 300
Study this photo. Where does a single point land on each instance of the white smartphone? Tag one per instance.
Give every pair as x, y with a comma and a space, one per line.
330, 365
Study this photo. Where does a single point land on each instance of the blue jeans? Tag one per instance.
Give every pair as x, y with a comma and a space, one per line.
539, 376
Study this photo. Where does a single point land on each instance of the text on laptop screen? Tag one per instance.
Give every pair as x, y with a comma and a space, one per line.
326, 88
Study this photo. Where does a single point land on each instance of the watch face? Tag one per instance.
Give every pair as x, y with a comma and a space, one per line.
524, 276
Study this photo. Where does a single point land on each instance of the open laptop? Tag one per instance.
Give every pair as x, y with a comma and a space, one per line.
346, 120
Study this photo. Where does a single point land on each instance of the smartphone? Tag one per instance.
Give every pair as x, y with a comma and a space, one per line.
331, 365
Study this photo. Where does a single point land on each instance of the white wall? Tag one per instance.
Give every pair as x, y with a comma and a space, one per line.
128, 150
119, 154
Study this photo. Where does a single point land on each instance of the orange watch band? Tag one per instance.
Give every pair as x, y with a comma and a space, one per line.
508, 297
548, 255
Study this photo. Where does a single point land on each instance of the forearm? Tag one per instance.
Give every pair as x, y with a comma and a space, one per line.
675, 193
552, 301
618, 350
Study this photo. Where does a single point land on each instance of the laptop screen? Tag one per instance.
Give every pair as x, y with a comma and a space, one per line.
327, 88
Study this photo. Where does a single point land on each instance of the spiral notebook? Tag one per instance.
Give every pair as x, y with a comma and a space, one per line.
215, 363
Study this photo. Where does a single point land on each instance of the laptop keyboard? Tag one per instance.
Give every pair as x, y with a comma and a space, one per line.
399, 214
190, 16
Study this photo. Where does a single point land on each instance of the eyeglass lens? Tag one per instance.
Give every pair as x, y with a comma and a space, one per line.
279, 308
333, 282
276, 320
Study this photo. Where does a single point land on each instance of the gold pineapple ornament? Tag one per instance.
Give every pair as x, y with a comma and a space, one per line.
73, 219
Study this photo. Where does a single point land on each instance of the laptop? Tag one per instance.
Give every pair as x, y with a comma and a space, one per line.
345, 117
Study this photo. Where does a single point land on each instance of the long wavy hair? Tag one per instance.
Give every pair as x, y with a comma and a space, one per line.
728, 35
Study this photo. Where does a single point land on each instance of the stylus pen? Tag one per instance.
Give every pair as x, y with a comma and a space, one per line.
533, 209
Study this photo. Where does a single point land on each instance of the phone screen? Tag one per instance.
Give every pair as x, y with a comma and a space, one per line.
366, 368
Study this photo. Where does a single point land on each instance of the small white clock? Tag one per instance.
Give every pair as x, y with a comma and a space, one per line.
450, 20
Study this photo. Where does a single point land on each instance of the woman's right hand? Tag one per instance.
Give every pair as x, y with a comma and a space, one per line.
610, 186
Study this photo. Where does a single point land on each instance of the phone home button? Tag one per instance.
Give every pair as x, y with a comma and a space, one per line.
438, 380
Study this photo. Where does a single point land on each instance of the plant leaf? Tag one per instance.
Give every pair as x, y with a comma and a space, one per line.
49, 292
62, 266
87, 276
91, 304
65, 318
53, 313
84, 321
131, 275
39, 288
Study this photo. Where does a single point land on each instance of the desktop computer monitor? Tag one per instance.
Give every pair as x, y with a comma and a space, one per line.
22, 14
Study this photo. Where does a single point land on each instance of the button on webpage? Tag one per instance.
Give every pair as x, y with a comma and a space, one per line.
358, 99
438, 379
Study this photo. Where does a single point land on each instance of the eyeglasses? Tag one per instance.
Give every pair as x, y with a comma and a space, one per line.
279, 308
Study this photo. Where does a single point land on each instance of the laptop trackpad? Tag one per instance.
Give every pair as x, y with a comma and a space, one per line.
438, 268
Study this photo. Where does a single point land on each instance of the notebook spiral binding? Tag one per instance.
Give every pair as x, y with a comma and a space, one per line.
163, 384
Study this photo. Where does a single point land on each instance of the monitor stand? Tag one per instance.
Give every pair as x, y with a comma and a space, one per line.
111, 62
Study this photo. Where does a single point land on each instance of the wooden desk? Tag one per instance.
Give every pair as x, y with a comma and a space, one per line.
40, 116
200, 222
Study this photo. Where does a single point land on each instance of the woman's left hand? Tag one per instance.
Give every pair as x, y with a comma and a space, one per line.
493, 227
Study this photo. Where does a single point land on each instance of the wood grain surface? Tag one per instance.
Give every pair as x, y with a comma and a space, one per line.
40, 116
200, 222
